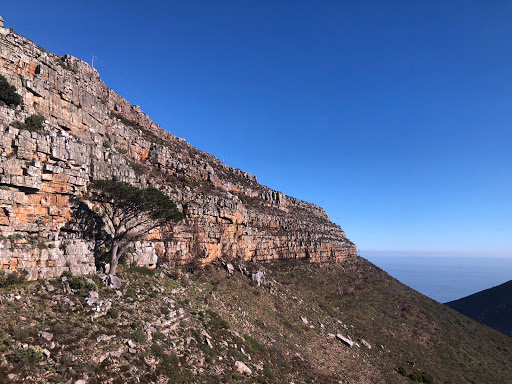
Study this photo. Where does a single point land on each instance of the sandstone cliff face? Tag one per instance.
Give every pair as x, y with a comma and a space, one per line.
90, 133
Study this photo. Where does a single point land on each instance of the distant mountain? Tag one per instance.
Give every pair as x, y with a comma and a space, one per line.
492, 307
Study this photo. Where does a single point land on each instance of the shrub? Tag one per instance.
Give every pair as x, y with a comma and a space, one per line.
121, 150
217, 321
8, 93
416, 377
81, 283
139, 336
30, 355
137, 168
169, 365
33, 123
427, 378
67, 274
401, 370
134, 268
252, 345
113, 313
8, 279
267, 371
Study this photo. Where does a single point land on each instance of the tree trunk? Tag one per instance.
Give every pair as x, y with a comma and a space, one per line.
114, 258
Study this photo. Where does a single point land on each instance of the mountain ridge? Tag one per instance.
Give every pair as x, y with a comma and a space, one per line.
492, 307
91, 132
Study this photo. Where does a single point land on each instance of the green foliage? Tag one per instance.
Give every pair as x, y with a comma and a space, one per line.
81, 283
157, 350
139, 336
141, 270
416, 377
217, 321
267, 371
170, 367
12, 278
129, 213
137, 168
67, 274
8, 93
33, 123
29, 356
401, 370
113, 313
150, 201
121, 150
427, 378
252, 345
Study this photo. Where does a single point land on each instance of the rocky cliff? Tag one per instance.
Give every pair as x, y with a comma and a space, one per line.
91, 132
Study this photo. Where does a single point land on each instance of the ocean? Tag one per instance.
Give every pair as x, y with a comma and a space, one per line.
443, 276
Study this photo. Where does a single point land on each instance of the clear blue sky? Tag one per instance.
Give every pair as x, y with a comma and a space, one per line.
395, 116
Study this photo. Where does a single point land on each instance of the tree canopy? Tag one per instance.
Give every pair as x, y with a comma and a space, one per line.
129, 213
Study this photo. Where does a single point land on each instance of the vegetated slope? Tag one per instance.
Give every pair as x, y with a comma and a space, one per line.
492, 307
189, 325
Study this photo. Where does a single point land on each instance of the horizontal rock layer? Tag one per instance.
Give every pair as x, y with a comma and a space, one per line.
90, 133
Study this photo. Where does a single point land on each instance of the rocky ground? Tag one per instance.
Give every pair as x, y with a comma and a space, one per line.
275, 323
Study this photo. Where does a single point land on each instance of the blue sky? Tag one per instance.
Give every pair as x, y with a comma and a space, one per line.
395, 116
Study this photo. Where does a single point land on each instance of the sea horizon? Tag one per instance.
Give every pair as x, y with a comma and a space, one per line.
444, 276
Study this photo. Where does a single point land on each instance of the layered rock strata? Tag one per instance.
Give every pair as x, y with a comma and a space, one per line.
90, 133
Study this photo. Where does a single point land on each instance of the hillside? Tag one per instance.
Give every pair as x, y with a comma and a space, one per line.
252, 286
185, 325
89, 132
492, 307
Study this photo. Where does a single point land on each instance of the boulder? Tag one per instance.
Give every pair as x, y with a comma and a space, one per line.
113, 282
345, 340
242, 368
258, 277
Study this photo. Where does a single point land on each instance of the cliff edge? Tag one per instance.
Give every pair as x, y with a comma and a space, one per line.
91, 132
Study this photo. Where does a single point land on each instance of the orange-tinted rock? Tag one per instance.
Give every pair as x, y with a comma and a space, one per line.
91, 132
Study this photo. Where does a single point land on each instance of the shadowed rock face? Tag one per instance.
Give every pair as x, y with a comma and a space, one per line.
90, 133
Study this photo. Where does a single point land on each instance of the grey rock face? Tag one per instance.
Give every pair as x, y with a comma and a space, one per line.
90, 132
258, 277
114, 282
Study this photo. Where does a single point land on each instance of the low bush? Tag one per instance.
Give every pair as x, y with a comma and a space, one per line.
139, 336
416, 377
217, 321
12, 278
141, 270
8, 93
170, 367
113, 313
81, 283
33, 123
28, 356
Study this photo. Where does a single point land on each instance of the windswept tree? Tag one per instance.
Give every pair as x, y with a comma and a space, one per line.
130, 213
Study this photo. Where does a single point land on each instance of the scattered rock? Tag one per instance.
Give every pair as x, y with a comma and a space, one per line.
304, 320
131, 344
242, 368
366, 344
230, 268
345, 340
113, 282
258, 277
46, 336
